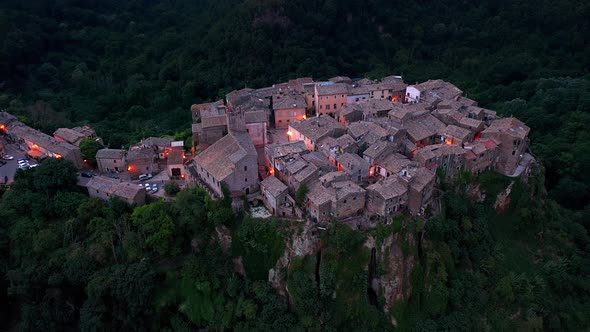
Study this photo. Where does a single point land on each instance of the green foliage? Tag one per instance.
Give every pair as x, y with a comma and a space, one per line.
157, 227
301, 192
88, 148
171, 188
260, 245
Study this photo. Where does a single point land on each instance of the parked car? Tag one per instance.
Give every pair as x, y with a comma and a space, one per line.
24, 166
144, 177
154, 188
33, 166
23, 159
86, 174
23, 162
7, 157
147, 187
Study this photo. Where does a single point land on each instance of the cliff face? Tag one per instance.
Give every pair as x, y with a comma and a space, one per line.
305, 242
392, 280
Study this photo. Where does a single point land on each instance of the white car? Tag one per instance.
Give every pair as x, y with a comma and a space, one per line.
154, 188
33, 166
24, 167
147, 187
7, 157
144, 177
23, 162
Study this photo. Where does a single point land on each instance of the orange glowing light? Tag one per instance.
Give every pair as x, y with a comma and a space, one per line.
182, 176
2, 126
304, 116
395, 98
272, 171
129, 168
57, 155
448, 141
35, 146
289, 133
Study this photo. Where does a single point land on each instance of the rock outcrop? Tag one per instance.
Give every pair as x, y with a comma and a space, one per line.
305, 242
394, 281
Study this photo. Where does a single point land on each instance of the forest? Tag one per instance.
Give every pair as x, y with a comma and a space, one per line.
131, 69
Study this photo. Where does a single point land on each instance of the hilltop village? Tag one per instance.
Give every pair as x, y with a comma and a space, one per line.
342, 149
348, 148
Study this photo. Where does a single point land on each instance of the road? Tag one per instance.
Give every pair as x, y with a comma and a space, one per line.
8, 170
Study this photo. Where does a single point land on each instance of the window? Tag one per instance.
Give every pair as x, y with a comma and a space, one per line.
334, 106
245, 179
342, 96
327, 107
344, 202
334, 97
245, 168
294, 113
280, 121
114, 161
321, 106
342, 104
513, 153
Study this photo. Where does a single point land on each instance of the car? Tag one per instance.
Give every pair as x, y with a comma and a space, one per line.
86, 174
7, 157
144, 177
24, 167
23, 159
23, 162
141, 185
154, 188
33, 166
147, 187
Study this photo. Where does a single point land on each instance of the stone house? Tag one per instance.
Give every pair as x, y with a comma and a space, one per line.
353, 165
337, 199
288, 107
387, 197
160, 145
232, 161
175, 163
420, 183
511, 136
330, 98
275, 196
481, 155
424, 130
314, 129
105, 188
142, 160
450, 158
40, 145
456, 135
111, 160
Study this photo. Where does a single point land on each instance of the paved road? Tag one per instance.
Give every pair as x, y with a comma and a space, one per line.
11, 166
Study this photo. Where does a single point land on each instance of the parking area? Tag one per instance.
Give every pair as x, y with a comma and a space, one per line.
8, 169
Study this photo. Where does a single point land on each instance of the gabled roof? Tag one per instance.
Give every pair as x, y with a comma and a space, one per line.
510, 126
220, 158
394, 163
388, 188
333, 89
316, 127
111, 154
273, 185
438, 150
278, 150
68, 135
288, 101
424, 126
457, 132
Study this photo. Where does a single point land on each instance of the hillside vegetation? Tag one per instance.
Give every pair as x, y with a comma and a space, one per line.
132, 69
